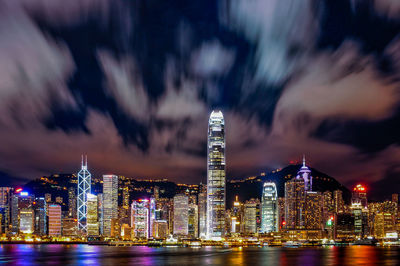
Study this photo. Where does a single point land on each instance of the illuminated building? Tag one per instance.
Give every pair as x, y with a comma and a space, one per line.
110, 203
14, 214
84, 188
338, 201
328, 206
281, 213
5, 202
344, 226
160, 229
269, 208
54, 212
140, 218
305, 174
92, 215
181, 208
100, 211
59, 200
236, 216
250, 216
294, 203
313, 210
40, 207
125, 197
26, 222
216, 176
152, 215
69, 226
359, 209
72, 202
202, 199
193, 220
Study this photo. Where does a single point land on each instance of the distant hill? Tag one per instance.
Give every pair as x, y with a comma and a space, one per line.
252, 187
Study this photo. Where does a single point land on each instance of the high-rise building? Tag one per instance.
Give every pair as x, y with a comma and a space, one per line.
47, 197
313, 210
359, 195
269, 208
160, 229
305, 173
338, 201
40, 207
294, 203
59, 200
100, 212
236, 216
14, 213
125, 197
69, 226
193, 220
54, 211
216, 176
359, 209
202, 199
140, 218
5, 203
281, 213
72, 202
250, 216
26, 222
92, 215
181, 207
110, 203
152, 215
84, 188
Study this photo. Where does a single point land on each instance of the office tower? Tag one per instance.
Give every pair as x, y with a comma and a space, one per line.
202, 199
59, 200
100, 212
250, 216
160, 229
54, 211
294, 203
40, 208
193, 220
313, 210
269, 208
140, 218
281, 213
47, 197
305, 174
344, 226
125, 197
26, 222
84, 188
181, 207
338, 200
110, 203
328, 207
5, 203
216, 176
236, 216
14, 214
70, 226
92, 215
72, 202
359, 209
152, 215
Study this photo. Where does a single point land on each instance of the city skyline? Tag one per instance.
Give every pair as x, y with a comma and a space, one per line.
132, 84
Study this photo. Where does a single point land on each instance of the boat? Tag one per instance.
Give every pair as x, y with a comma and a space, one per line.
366, 242
291, 244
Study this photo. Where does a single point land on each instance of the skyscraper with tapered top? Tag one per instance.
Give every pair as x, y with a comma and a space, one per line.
216, 176
84, 187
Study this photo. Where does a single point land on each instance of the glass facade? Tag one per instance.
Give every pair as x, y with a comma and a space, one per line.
269, 208
92, 221
110, 203
84, 187
216, 176
181, 211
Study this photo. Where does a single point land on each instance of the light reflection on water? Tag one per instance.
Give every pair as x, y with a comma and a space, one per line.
105, 255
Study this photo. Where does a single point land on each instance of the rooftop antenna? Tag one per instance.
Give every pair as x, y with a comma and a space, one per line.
304, 160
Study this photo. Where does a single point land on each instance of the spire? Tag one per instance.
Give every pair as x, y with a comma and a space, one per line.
304, 160
86, 161
82, 162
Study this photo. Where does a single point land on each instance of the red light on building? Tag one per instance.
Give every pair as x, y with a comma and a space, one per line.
76, 220
283, 223
360, 188
332, 217
18, 190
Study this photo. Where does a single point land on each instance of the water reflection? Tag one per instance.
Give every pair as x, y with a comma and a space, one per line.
105, 255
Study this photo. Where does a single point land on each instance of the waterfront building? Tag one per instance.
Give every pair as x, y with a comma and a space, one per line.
140, 218
202, 206
294, 203
250, 216
338, 201
40, 208
181, 212
54, 212
359, 208
84, 188
5, 203
14, 214
269, 208
72, 202
100, 212
344, 227
236, 216
92, 215
110, 204
193, 220
152, 215
160, 229
125, 197
216, 176
69, 226
313, 210
281, 213
26, 222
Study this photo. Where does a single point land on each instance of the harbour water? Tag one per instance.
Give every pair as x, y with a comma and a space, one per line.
25, 254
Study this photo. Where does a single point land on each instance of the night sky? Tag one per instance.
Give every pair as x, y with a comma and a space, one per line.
132, 83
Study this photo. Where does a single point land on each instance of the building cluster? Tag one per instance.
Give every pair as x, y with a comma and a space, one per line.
198, 212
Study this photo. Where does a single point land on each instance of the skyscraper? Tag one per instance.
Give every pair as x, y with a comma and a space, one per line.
193, 220
181, 209
250, 216
305, 173
313, 210
140, 218
5, 200
269, 208
216, 176
26, 222
40, 207
54, 211
202, 200
295, 203
110, 203
71, 202
92, 216
84, 187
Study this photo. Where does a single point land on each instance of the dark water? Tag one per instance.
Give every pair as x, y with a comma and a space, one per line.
105, 255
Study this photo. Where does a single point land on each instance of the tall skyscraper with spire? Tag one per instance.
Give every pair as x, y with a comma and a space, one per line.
84, 187
305, 173
216, 176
